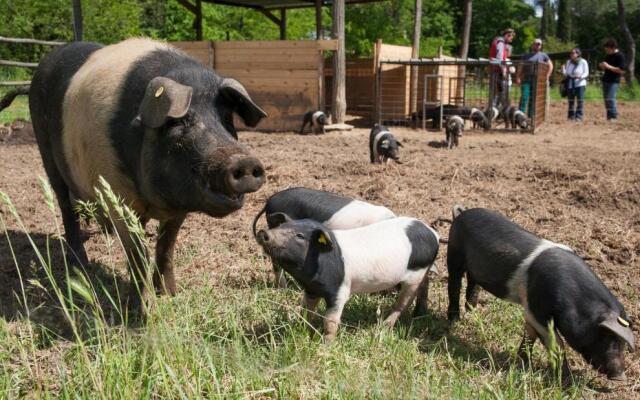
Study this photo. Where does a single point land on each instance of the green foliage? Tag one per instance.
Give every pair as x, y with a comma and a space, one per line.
490, 17
552, 45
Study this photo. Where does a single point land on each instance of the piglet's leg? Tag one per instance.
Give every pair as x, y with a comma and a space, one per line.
422, 297
334, 313
406, 296
528, 339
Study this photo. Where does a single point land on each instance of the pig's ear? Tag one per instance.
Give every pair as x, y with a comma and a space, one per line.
164, 98
399, 143
276, 219
385, 144
621, 327
322, 238
236, 96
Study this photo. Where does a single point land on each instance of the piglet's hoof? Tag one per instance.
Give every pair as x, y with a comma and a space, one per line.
328, 338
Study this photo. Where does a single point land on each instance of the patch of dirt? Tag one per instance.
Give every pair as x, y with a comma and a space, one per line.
573, 183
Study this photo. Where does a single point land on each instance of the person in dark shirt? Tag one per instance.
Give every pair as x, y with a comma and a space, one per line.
613, 66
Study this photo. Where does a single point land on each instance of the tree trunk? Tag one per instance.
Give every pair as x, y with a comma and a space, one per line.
629, 72
466, 28
415, 53
339, 104
77, 20
564, 20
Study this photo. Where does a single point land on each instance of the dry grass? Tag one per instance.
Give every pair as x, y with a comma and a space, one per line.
577, 184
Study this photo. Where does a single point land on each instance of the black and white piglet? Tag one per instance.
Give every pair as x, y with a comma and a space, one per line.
332, 210
454, 129
332, 265
316, 121
479, 119
548, 279
513, 117
383, 146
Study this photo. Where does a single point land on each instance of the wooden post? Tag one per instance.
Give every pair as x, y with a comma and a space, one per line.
339, 105
283, 24
318, 19
415, 52
198, 20
77, 20
466, 28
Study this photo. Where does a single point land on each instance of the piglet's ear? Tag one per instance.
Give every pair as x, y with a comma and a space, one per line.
399, 144
276, 219
164, 98
621, 328
237, 98
322, 238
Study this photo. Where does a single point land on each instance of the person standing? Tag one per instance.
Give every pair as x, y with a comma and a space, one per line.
526, 75
576, 70
613, 66
499, 72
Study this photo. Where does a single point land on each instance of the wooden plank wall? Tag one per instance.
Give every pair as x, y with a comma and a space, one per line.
360, 85
284, 77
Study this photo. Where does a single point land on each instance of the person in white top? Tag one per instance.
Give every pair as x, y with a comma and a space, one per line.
576, 70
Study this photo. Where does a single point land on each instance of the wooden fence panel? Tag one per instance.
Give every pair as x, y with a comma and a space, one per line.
284, 77
540, 94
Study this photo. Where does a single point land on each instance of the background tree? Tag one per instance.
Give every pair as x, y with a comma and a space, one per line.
466, 28
629, 72
564, 20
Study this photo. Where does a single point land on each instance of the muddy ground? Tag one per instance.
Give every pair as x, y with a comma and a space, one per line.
574, 183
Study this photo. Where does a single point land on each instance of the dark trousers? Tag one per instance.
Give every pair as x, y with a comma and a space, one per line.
576, 95
609, 92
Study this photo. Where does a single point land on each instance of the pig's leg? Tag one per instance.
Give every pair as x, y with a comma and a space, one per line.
471, 294
528, 339
164, 278
137, 260
456, 269
406, 296
546, 340
334, 313
309, 302
422, 297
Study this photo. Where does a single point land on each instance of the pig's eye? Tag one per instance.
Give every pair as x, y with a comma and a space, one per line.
300, 236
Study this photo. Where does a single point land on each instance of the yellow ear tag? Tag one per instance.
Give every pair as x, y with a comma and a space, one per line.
322, 239
623, 322
159, 91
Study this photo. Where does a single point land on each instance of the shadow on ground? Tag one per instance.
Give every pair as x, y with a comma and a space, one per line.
27, 290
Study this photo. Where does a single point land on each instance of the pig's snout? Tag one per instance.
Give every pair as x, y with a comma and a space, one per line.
244, 174
263, 237
619, 377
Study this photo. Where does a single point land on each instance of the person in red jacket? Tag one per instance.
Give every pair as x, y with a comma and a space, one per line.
499, 74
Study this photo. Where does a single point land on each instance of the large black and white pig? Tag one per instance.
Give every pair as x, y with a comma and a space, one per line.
333, 265
383, 146
332, 210
156, 124
548, 279
317, 120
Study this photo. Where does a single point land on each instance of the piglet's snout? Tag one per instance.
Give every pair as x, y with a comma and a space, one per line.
244, 174
263, 237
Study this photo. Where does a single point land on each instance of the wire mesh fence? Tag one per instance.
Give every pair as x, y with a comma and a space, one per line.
511, 95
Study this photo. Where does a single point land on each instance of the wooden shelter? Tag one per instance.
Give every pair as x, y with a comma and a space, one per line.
285, 77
